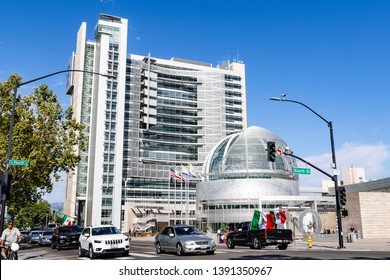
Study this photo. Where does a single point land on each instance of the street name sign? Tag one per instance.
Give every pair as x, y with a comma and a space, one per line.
19, 162
302, 171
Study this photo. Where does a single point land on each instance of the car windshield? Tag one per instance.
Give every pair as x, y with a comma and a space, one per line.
187, 230
105, 230
47, 233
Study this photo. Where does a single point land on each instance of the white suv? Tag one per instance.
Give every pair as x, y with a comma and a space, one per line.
103, 239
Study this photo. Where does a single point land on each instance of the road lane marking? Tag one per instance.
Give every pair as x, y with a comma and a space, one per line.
143, 255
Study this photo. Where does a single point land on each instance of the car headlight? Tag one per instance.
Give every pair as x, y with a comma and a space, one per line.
212, 242
189, 243
97, 241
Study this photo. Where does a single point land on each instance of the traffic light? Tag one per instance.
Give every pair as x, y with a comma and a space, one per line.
343, 196
271, 151
5, 186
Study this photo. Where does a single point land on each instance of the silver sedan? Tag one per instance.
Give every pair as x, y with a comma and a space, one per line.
183, 239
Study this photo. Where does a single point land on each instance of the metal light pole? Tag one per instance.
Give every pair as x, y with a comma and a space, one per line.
334, 166
3, 198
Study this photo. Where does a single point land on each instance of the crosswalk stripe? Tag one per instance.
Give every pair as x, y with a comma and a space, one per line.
125, 258
231, 251
143, 255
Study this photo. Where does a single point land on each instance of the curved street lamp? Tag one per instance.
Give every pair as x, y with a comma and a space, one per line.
334, 179
3, 198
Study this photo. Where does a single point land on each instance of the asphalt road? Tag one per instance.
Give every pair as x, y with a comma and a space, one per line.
144, 250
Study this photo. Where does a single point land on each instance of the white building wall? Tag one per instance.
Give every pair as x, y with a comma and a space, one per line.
240, 69
95, 183
76, 99
121, 79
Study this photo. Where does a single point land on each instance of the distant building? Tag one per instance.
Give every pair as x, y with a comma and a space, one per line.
353, 175
350, 175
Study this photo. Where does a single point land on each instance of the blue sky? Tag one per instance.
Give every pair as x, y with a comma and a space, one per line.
331, 55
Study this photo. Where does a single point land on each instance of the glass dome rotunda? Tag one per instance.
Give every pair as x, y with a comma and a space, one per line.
244, 155
237, 175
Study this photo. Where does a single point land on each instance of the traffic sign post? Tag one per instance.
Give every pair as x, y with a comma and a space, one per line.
302, 171
19, 162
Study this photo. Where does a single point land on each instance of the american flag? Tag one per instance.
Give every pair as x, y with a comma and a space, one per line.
175, 174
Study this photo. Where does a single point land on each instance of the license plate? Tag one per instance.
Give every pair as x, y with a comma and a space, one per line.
74, 241
114, 246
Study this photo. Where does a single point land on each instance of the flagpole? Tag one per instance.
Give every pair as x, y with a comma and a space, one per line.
169, 196
187, 202
181, 202
175, 200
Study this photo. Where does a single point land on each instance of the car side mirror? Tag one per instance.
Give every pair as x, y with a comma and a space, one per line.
171, 235
86, 234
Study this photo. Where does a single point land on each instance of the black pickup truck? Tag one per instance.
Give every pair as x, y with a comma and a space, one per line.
258, 238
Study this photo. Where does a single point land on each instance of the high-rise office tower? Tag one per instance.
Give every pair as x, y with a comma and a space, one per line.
157, 118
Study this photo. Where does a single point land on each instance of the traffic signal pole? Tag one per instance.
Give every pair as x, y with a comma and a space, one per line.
334, 166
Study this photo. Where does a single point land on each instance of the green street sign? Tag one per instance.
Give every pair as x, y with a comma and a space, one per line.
19, 162
302, 171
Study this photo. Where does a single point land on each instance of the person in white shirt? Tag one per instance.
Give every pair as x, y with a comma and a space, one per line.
10, 235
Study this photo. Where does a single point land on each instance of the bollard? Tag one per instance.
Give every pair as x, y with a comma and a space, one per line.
309, 241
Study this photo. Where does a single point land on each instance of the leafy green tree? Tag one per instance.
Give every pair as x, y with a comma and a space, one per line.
34, 215
44, 134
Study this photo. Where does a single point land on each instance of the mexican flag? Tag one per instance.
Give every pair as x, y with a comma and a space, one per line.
259, 220
280, 217
255, 219
66, 220
267, 221
263, 221
270, 220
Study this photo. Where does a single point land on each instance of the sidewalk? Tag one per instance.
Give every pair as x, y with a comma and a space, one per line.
298, 244
359, 245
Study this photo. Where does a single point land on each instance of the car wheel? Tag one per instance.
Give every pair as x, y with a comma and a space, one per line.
158, 248
230, 243
282, 246
91, 253
179, 249
256, 243
81, 252
125, 253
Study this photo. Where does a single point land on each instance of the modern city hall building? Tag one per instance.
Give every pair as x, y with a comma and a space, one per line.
146, 127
